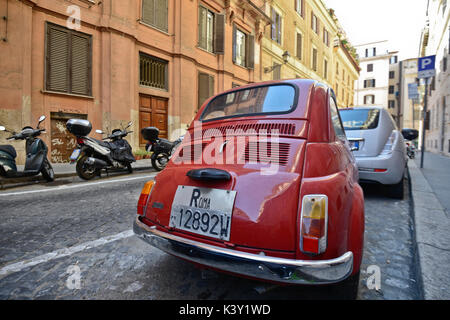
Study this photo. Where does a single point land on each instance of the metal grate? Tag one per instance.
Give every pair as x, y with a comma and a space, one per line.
153, 72
267, 152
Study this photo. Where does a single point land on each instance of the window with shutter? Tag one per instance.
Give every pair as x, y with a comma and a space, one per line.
206, 36
314, 59
152, 72
155, 13
219, 34
68, 66
299, 45
276, 26
299, 7
205, 87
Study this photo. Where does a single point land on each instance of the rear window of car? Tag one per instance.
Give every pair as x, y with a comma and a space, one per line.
253, 101
360, 119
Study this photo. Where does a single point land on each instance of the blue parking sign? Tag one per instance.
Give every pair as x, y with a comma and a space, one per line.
426, 67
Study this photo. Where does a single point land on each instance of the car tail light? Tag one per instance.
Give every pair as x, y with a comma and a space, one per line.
145, 195
390, 143
314, 224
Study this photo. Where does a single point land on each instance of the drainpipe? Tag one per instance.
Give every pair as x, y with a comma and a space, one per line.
400, 89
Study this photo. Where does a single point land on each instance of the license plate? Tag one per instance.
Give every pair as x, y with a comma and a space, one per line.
203, 211
75, 154
354, 144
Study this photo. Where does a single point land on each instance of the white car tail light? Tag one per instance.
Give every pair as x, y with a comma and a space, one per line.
314, 224
390, 143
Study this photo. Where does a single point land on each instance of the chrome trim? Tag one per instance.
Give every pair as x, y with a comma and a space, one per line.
262, 267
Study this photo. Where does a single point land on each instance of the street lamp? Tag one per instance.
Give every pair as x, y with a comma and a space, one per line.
286, 55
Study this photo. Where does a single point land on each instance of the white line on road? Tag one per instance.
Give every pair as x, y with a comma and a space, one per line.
18, 266
62, 188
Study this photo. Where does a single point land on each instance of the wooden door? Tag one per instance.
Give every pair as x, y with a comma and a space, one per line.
62, 141
153, 113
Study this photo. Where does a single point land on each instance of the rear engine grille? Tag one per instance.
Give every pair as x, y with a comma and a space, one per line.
251, 129
267, 152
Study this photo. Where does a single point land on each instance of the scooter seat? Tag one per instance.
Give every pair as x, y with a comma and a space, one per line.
9, 150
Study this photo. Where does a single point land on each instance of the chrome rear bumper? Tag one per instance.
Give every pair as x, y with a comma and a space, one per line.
247, 264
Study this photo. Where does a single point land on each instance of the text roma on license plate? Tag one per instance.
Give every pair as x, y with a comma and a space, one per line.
203, 211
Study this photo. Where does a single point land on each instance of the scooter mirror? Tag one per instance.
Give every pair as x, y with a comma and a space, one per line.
99, 131
42, 118
129, 124
2, 128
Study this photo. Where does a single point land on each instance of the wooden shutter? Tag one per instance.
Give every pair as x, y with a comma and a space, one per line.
148, 11
161, 14
57, 71
219, 34
202, 27
234, 43
250, 54
277, 72
299, 45
80, 64
205, 87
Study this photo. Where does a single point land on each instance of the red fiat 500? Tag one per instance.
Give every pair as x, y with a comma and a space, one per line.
264, 185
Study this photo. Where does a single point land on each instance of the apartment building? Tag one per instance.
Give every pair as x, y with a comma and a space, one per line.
305, 40
374, 87
150, 61
436, 41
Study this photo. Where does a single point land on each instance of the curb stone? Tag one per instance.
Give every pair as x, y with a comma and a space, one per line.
432, 227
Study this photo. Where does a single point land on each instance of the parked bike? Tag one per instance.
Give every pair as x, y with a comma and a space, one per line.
36, 154
410, 150
163, 149
92, 155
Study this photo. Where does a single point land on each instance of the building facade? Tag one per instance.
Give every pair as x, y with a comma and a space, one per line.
305, 40
154, 62
436, 41
374, 88
150, 61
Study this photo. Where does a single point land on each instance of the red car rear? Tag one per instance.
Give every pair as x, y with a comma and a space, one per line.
264, 185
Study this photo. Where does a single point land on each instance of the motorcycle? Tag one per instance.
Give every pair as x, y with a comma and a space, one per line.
163, 149
410, 150
36, 154
92, 155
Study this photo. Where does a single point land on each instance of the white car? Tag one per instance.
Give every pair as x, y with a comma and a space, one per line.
379, 147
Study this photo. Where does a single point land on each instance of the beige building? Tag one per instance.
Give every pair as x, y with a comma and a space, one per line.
436, 41
305, 40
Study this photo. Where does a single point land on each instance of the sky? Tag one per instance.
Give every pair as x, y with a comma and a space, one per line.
399, 21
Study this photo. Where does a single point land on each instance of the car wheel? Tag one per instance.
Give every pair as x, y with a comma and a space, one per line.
396, 190
348, 289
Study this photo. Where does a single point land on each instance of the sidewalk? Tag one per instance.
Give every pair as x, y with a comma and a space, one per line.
63, 170
431, 202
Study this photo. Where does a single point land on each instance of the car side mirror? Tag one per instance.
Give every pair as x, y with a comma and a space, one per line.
410, 134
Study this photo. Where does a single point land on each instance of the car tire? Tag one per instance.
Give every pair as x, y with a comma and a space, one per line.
397, 191
348, 289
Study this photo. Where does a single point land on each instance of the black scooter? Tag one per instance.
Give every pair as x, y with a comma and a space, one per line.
36, 158
92, 155
163, 149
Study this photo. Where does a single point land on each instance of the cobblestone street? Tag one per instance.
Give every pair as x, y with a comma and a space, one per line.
86, 228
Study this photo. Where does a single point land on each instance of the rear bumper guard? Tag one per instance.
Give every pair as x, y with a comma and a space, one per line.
289, 271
